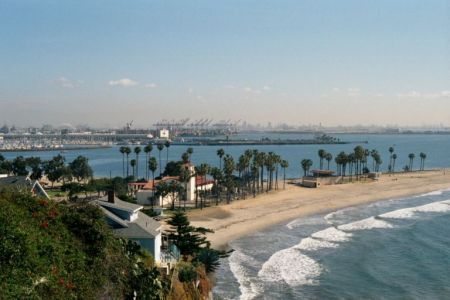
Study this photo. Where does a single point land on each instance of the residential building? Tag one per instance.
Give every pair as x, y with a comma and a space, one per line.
23, 183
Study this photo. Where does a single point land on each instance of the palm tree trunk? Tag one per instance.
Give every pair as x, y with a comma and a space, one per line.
123, 164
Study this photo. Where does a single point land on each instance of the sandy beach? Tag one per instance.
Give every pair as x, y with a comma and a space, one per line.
243, 217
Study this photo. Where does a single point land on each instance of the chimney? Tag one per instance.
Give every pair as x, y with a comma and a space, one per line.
111, 196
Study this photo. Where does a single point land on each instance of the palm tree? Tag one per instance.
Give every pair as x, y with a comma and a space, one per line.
352, 162
127, 152
133, 165
359, 157
147, 149
122, 150
328, 157
167, 144
391, 151
185, 175
202, 171
284, 164
423, 156
411, 157
394, 157
321, 154
228, 168
137, 151
190, 151
160, 148
217, 175
374, 154
220, 154
153, 166
306, 165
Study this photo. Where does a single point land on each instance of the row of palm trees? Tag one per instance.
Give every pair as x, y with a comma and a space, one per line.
134, 163
356, 162
252, 173
409, 166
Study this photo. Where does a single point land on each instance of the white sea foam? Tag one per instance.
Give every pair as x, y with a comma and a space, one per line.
332, 234
246, 286
404, 213
312, 244
302, 221
434, 207
434, 193
291, 266
365, 224
331, 217
411, 212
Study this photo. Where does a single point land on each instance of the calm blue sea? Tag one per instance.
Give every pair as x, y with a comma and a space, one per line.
109, 161
395, 249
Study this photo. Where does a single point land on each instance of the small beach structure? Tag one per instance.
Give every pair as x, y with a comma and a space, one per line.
320, 177
24, 183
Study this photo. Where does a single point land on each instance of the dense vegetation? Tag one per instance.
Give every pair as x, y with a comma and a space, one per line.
56, 251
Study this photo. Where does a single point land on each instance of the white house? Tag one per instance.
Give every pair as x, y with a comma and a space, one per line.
127, 221
145, 191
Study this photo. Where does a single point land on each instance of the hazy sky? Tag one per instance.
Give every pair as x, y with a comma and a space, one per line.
300, 62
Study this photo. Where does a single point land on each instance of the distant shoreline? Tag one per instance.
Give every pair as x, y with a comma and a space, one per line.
56, 149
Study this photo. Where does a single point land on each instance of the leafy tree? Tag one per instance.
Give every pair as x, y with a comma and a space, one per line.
185, 157
19, 166
80, 168
35, 164
173, 168
162, 190
54, 168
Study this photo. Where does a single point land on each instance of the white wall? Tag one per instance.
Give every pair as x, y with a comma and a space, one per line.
158, 247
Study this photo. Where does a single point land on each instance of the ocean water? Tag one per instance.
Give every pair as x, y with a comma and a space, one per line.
106, 162
393, 249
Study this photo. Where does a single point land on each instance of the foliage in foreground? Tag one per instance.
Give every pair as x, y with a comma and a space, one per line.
55, 251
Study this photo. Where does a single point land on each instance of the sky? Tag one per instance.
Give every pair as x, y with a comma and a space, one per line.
105, 63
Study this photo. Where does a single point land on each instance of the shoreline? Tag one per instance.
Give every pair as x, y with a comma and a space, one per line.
56, 149
244, 217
